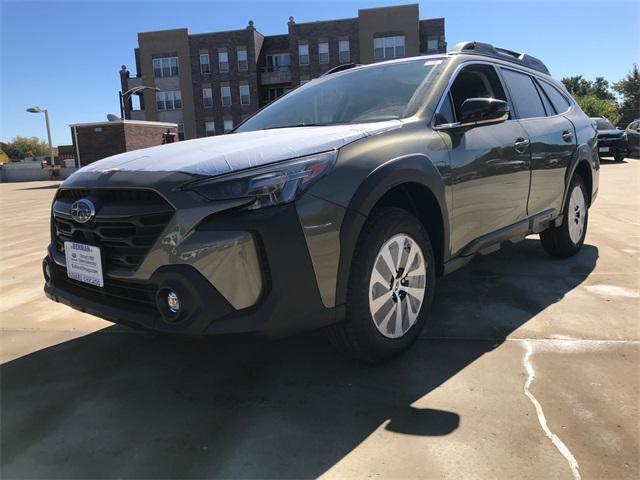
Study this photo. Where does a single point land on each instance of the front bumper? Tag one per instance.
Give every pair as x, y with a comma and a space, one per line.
288, 299
614, 147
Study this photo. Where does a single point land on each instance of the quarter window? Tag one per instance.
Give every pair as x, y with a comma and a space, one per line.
225, 94
323, 52
207, 97
344, 52
223, 62
445, 114
205, 65
165, 67
209, 129
243, 63
523, 94
245, 97
303, 53
559, 101
388, 47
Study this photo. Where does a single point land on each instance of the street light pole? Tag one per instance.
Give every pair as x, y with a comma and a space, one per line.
46, 118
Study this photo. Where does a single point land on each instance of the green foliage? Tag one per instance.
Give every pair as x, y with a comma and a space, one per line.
598, 107
594, 97
580, 87
25, 147
629, 89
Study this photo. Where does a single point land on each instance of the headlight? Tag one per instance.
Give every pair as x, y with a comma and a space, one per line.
269, 185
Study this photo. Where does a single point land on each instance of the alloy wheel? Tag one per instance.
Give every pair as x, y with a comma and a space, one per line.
397, 286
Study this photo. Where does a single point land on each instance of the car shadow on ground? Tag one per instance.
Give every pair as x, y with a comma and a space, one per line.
120, 404
43, 187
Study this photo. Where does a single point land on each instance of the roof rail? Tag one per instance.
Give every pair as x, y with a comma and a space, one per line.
340, 68
489, 50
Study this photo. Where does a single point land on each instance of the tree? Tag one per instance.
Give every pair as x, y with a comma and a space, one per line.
577, 86
25, 147
629, 89
580, 87
598, 107
594, 97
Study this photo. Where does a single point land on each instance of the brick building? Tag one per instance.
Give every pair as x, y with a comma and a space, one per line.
207, 83
97, 140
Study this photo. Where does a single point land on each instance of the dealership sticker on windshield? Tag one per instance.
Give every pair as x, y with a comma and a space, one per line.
84, 263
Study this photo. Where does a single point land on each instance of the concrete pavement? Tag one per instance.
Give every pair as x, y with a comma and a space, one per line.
529, 369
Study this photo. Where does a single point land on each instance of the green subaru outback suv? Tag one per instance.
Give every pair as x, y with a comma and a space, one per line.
337, 206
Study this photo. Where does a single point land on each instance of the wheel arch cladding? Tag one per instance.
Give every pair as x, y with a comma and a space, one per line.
412, 183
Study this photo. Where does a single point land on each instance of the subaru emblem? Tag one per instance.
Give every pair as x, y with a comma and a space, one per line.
83, 210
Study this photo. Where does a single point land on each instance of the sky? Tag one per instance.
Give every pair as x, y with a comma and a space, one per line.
65, 55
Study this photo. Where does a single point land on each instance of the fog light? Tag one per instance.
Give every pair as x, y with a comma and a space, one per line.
173, 302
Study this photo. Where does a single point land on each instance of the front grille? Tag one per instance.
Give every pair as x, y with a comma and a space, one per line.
126, 225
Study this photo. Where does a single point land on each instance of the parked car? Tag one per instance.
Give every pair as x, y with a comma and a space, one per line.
633, 137
336, 206
612, 141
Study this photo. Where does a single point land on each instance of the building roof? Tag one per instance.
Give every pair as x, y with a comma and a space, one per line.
128, 122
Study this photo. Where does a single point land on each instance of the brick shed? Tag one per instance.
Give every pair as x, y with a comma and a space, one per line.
94, 141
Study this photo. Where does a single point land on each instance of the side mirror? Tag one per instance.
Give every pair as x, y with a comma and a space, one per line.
476, 111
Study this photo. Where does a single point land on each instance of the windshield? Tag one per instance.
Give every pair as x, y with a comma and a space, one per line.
370, 94
604, 124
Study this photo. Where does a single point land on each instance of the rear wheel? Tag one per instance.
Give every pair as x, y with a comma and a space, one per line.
391, 287
567, 239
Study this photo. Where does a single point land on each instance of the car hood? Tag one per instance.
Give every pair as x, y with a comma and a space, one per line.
610, 133
237, 151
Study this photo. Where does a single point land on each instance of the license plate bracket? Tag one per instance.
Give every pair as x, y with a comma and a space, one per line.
84, 263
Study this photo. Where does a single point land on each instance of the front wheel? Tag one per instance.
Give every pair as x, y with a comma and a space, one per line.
618, 157
567, 239
391, 287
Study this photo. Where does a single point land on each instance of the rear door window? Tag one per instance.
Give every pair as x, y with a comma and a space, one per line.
559, 101
524, 94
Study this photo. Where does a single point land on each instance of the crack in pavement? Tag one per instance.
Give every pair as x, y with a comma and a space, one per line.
559, 444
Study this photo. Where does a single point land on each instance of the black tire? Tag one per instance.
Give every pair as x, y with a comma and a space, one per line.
557, 240
618, 157
358, 336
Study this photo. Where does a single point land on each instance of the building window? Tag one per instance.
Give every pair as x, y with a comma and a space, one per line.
323, 52
228, 125
165, 67
303, 53
278, 62
388, 47
245, 97
209, 129
171, 100
205, 66
345, 53
243, 63
225, 94
275, 92
181, 131
207, 97
223, 62
432, 44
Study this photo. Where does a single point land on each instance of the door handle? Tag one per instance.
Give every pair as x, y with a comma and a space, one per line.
521, 145
567, 136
